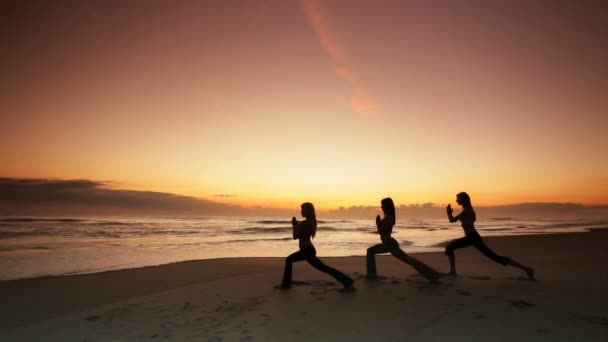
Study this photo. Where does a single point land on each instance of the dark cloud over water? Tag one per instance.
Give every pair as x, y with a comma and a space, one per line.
20, 196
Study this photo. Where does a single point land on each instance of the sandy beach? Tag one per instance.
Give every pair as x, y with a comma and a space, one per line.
235, 299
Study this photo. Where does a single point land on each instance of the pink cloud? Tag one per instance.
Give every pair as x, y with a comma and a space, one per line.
360, 102
363, 104
320, 24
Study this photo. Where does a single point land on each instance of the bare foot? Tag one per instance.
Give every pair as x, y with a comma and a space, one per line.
530, 272
433, 277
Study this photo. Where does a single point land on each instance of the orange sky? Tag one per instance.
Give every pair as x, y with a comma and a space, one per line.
280, 102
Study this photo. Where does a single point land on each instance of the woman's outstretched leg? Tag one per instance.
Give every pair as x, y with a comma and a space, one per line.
529, 270
422, 268
371, 259
339, 276
502, 259
297, 256
449, 251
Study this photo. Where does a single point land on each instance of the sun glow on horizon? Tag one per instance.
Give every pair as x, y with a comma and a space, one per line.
276, 104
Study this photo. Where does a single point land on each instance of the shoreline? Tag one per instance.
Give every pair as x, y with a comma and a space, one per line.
567, 264
439, 245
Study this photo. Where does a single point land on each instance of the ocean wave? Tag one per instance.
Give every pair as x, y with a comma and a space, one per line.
14, 234
289, 221
109, 223
256, 230
103, 233
28, 219
24, 248
436, 229
270, 221
256, 240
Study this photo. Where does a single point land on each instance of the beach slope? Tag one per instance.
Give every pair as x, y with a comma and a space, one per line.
235, 299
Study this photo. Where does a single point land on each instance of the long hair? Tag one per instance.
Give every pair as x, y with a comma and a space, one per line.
308, 211
388, 206
465, 200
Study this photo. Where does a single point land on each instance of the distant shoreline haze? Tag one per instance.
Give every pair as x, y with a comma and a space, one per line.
44, 197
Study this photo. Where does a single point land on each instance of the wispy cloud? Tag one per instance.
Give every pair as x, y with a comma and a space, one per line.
360, 101
224, 195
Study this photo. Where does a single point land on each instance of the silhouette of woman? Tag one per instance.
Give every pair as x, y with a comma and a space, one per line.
390, 245
304, 231
467, 219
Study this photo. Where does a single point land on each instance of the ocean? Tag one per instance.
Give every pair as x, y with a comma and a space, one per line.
34, 246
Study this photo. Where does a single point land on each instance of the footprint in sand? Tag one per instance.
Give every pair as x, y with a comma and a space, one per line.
518, 278
599, 320
395, 282
521, 304
402, 299
481, 278
295, 282
92, 318
214, 339
464, 293
419, 283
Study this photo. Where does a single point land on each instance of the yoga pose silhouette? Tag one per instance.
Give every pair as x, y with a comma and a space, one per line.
467, 219
390, 245
304, 231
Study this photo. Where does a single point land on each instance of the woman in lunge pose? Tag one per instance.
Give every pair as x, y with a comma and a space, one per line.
467, 219
304, 231
390, 245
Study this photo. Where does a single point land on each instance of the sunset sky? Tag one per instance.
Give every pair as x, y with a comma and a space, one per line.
272, 103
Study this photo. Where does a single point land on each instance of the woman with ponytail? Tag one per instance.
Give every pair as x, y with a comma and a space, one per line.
304, 231
390, 245
467, 219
